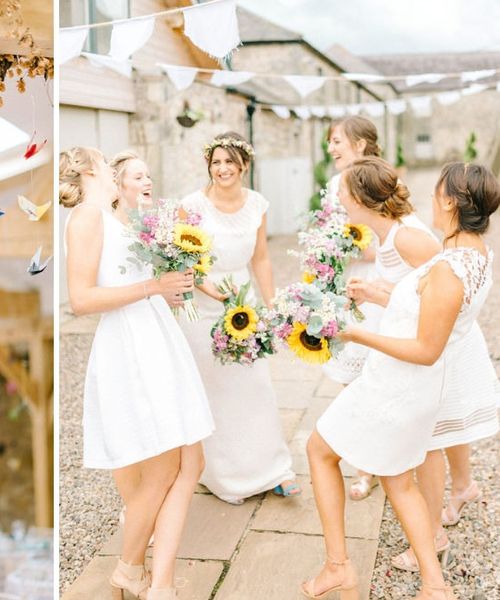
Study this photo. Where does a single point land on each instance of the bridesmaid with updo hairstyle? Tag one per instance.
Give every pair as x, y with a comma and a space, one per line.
384, 421
145, 411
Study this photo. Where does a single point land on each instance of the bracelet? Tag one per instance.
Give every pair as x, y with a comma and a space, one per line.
146, 295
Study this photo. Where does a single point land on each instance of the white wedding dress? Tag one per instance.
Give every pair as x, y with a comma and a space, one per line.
247, 453
143, 393
383, 422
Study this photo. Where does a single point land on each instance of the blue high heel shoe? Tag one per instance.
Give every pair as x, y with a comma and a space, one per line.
292, 489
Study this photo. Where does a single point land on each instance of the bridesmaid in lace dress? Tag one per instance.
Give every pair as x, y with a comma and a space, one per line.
247, 453
384, 421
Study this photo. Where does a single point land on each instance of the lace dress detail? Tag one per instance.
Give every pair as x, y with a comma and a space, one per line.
383, 422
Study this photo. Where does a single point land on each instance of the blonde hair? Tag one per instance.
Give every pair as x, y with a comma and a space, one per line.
374, 183
119, 163
72, 164
357, 129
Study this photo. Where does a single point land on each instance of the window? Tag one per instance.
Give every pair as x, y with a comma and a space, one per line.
423, 138
76, 12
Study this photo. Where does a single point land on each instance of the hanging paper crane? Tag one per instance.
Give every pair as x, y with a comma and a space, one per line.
34, 212
33, 148
35, 265
2, 212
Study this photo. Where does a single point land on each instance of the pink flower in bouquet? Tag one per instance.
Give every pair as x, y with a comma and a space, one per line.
146, 237
302, 314
325, 270
193, 219
150, 221
261, 326
220, 340
330, 330
283, 331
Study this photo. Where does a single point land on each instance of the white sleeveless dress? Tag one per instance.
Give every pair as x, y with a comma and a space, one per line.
247, 454
383, 421
143, 393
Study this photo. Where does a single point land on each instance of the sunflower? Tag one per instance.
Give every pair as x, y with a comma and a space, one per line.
307, 347
204, 265
308, 277
361, 235
191, 239
240, 322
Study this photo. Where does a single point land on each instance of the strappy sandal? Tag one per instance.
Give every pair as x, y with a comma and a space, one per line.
348, 582
451, 515
448, 592
363, 487
292, 489
407, 561
134, 579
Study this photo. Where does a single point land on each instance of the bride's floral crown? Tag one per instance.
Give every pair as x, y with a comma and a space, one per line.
228, 142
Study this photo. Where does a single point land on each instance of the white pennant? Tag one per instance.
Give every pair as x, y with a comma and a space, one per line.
304, 84
71, 43
302, 112
130, 36
423, 78
354, 109
396, 107
181, 77
447, 98
498, 86
281, 111
318, 111
374, 109
336, 112
421, 105
366, 77
123, 67
475, 75
475, 88
220, 78
213, 27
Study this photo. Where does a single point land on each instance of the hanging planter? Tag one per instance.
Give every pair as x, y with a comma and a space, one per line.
189, 117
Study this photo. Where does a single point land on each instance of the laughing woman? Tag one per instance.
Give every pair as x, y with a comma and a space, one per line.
248, 454
145, 409
383, 422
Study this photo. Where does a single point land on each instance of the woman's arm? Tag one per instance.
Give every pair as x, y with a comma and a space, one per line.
415, 246
261, 265
440, 304
84, 240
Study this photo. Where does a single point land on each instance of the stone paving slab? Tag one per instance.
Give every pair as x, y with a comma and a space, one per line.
212, 531
299, 515
285, 366
290, 418
292, 395
271, 566
195, 580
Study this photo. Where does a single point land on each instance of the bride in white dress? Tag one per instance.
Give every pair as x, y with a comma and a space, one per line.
145, 408
247, 454
383, 422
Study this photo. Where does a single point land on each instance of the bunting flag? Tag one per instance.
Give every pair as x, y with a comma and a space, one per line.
354, 109
221, 78
281, 111
213, 27
336, 112
421, 105
447, 98
396, 107
374, 109
71, 43
123, 67
475, 88
302, 112
130, 36
304, 84
318, 111
364, 77
475, 75
412, 80
181, 77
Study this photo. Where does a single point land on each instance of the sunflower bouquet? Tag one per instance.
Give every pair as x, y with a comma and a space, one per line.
308, 321
242, 334
326, 253
167, 243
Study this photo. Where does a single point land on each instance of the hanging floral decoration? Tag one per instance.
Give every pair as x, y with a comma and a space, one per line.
31, 64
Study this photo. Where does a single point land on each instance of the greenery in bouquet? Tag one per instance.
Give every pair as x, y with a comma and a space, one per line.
242, 334
166, 242
308, 321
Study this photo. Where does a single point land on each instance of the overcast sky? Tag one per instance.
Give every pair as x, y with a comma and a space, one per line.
389, 26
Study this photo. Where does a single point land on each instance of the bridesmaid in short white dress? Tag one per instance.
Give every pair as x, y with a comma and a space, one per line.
248, 453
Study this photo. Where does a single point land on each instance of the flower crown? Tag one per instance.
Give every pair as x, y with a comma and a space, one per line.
228, 143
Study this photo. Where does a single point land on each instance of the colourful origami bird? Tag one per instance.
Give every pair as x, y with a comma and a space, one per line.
34, 212
35, 265
32, 148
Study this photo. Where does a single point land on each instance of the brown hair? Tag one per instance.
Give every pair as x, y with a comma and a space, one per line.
357, 129
476, 193
237, 154
374, 183
72, 163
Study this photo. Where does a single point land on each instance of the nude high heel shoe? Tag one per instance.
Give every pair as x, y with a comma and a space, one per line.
349, 581
131, 578
163, 594
446, 593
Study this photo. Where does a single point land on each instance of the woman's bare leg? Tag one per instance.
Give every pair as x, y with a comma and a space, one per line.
127, 481
431, 477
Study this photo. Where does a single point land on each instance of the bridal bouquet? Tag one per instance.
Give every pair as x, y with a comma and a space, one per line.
242, 334
308, 320
167, 243
326, 253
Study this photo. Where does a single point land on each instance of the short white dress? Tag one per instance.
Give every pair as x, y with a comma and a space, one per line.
383, 421
349, 363
247, 454
143, 393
